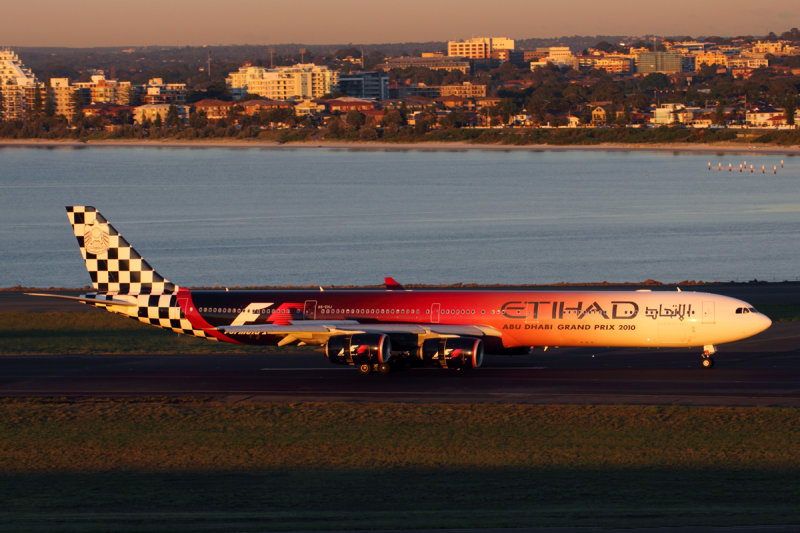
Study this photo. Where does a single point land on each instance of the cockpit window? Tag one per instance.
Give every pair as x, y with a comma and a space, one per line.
745, 310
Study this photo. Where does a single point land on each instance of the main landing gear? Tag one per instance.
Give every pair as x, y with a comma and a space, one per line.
708, 351
368, 368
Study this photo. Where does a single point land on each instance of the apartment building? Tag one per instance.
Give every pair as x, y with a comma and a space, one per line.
373, 85
158, 92
62, 94
710, 59
18, 85
770, 47
664, 62
479, 47
103, 91
465, 90
617, 64
448, 64
304, 80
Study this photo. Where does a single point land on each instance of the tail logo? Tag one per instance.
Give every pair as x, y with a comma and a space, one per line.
95, 239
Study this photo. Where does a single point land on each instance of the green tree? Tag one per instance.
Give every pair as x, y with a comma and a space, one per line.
625, 116
354, 119
2, 105
790, 107
611, 113
656, 81
393, 120
49, 105
719, 114
77, 106
335, 128
507, 108
37, 100
157, 122
198, 121
172, 120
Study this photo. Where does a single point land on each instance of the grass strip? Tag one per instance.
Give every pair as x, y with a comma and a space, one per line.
207, 465
100, 332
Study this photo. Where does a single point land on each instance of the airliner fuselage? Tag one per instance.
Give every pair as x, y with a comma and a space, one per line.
373, 329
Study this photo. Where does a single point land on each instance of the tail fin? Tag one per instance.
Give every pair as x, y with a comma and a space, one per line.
113, 264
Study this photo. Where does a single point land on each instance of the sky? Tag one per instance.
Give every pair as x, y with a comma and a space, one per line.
89, 23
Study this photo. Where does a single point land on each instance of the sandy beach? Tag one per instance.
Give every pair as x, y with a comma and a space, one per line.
714, 148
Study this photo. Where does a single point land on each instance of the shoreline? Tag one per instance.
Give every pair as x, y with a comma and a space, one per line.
600, 285
422, 146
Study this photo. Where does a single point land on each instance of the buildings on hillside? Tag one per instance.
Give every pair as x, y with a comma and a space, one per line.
302, 87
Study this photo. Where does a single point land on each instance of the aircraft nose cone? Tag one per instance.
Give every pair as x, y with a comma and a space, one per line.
763, 323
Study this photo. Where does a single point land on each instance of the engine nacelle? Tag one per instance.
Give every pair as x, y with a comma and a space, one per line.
362, 348
461, 352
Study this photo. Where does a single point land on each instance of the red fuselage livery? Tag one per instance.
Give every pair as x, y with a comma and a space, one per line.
378, 329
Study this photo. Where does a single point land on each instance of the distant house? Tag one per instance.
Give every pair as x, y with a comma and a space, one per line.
149, 112
600, 115
253, 107
213, 109
417, 102
456, 102
489, 101
666, 114
766, 117
346, 104
308, 107
105, 110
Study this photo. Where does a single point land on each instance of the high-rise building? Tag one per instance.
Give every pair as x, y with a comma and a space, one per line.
18, 86
304, 80
62, 94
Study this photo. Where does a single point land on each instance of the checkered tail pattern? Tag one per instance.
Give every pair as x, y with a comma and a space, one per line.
113, 264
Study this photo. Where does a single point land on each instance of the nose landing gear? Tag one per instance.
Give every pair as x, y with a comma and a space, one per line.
708, 351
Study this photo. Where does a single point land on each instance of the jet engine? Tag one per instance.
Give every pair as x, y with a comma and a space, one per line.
360, 349
462, 352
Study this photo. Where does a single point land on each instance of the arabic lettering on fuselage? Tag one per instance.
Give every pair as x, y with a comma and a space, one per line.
616, 310
679, 311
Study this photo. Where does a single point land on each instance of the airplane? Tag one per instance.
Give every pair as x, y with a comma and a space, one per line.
379, 330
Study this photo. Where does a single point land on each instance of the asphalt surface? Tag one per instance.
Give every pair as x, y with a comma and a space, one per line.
760, 371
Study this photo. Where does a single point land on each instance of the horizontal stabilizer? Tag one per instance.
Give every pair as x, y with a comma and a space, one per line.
85, 299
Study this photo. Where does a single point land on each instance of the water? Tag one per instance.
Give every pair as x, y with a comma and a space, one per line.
255, 216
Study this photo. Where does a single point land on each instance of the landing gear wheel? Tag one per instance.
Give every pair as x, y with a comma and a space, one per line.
364, 369
384, 368
708, 361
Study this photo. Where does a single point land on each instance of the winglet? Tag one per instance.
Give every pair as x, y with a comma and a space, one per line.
391, 284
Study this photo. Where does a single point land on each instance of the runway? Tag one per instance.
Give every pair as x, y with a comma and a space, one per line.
761, 371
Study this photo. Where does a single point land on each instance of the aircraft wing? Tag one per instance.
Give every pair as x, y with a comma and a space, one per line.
319, 331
